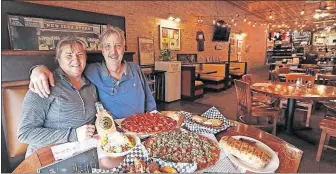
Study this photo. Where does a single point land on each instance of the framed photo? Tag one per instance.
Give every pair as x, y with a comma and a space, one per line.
187, 58
170, 38
30, 33
146, 51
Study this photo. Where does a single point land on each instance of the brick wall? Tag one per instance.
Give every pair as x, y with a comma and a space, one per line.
143, 20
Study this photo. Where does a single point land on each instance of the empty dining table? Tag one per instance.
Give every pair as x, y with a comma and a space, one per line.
292, 93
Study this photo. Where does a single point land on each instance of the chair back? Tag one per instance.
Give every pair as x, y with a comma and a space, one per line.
324, 79
284, 70
275, 76
247, 78
13, 95
306, 66
244, 97
292, 78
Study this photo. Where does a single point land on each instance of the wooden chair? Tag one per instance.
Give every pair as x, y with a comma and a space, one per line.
257, 98
326, 79
244, 98
247, 78
328, 127
292, 78
302, 106
330, 80
275, 76
283, 70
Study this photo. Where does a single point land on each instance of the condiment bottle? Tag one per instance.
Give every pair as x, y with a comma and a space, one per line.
298, 83
104, 122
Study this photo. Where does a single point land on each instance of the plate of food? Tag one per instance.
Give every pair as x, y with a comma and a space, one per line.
176, 115
118, 144
148, 124
181, 146
213, 123
250, 154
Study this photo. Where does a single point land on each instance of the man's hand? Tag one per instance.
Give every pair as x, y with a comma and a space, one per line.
85, 132
39, 79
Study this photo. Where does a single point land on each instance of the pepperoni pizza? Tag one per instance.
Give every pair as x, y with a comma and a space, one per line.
148, 123
183, 146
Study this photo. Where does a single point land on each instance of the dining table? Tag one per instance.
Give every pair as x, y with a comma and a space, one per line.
289, 155
202, 72
293, 93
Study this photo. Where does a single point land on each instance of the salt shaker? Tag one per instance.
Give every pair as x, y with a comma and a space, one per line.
298, 83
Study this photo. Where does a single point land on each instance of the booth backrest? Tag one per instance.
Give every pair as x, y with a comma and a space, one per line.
13, 96
220, 68
241, 65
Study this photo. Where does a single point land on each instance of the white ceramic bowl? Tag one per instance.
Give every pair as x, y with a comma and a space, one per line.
137, 141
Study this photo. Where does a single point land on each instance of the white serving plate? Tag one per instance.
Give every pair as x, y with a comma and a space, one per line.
137, 141
271, 167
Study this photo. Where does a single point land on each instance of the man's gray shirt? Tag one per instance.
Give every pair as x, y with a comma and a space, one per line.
54, 120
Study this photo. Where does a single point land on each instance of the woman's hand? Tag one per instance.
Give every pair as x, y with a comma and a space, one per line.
85, 132
39, 79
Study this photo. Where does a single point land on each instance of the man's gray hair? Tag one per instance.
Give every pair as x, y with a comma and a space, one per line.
69, 41
110, 30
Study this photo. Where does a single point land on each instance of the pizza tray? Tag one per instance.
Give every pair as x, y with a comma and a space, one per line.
144, 136
141, 153
212, 113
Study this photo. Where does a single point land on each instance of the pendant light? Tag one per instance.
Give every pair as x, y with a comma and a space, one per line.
245, 19
270, 16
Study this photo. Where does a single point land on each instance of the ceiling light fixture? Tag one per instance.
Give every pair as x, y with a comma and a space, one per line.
302, 11
249, 22
245, 19
270, 16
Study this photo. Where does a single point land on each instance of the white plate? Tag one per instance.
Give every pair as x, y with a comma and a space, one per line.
269, 168
141, 136
137, 141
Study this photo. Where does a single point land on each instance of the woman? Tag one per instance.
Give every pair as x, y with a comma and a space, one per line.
122, 87
68, 113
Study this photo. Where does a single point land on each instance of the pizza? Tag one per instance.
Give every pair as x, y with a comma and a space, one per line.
148, 123
183, 146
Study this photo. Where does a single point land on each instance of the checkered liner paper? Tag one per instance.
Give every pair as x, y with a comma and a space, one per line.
140, 152
212, 113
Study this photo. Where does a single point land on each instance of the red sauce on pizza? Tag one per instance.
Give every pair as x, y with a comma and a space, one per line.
183, 146
148, 123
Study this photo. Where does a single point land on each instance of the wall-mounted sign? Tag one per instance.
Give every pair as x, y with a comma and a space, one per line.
301, 38
146, 51
28, 33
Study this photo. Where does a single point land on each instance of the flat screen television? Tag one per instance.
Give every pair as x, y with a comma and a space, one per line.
221, 32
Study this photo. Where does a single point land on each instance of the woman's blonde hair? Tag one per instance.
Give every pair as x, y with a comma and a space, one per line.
109, 31
69, 41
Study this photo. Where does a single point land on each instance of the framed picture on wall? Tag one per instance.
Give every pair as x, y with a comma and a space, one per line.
170, 38
30, 33
146, 51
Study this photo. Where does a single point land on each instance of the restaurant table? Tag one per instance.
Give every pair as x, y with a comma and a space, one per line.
289, 155
290, 92
199, 72
234, 68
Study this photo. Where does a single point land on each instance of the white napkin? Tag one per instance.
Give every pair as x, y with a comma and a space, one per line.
67, 150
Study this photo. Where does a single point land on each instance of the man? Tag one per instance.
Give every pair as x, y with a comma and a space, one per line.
122, 87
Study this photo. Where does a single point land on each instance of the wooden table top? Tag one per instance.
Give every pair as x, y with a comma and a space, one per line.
289, 90
289, 156
234, 68
205, 72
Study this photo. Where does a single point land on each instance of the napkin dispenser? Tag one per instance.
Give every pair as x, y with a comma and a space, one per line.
81, 163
